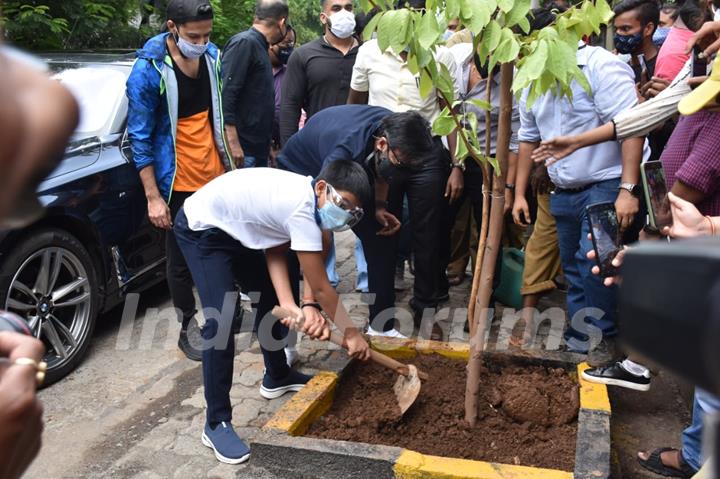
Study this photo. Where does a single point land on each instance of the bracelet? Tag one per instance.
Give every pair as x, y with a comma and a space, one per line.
510, 186
712, 225
312, 305
458, 164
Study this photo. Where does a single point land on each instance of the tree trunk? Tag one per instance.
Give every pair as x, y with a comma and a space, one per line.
485, 213
491, 250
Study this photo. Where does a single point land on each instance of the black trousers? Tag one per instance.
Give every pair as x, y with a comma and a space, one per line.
425, 189
473, 190
179, 279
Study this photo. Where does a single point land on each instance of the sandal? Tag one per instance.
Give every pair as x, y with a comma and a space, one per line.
456, 279
654, 463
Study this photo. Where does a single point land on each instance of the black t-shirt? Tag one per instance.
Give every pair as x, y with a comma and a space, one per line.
194, 94
637, 69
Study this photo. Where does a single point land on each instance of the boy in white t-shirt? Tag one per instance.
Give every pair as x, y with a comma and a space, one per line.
223, 230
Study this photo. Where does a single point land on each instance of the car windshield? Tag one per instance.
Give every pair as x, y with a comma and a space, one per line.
100, 93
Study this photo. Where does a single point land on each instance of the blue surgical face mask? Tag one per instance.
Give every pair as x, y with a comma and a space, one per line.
627, 43
448, 33
333, 217
190, 50
660, 35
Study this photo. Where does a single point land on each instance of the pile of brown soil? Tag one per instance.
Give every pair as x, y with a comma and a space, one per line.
528, 415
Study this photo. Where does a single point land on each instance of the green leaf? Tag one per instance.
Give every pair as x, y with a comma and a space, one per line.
524, 25
482, 104
452, 9
534, 64
444, 82
507, 50
492, 35
604, 11
518, 12
426, 83
412, 63
480, 13
427, 31
461, 150
506, 5
393, 30
444, 124
372, 25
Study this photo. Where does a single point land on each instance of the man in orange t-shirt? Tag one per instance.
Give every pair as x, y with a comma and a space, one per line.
175, 128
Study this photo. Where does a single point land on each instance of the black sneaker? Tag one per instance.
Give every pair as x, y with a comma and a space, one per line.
274, 388
617, 375
190, 341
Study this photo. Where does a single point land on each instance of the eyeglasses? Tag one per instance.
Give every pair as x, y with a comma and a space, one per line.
356, 213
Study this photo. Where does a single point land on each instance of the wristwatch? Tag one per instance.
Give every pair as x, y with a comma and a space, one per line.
459, 164
510, 186
630, 187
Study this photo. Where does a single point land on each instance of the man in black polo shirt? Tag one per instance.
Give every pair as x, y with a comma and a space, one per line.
390, 146
248, 90
318, 73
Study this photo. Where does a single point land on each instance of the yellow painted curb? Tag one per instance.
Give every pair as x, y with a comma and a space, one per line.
311, 402
412, 465
404, 349
592, 396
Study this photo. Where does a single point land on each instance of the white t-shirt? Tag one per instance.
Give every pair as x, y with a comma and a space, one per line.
260, 207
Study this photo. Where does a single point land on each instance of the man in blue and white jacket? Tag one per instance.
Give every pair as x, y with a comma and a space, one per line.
175, 126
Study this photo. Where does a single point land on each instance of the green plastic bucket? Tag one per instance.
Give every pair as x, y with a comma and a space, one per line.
508, 292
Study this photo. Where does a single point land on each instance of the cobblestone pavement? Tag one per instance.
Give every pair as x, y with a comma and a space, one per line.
135, 407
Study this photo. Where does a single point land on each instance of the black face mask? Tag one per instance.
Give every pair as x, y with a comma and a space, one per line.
383, 167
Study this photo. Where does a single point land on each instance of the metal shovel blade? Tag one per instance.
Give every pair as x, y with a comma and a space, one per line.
407, 389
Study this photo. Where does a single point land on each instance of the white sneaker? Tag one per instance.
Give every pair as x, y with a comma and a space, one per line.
393, 333
291, 355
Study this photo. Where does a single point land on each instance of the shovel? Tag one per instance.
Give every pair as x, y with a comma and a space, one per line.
406, 388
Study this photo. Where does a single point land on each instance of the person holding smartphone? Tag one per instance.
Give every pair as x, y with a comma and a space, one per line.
605, 172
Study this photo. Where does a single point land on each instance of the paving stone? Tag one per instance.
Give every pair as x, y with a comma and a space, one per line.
252, 374
247, 411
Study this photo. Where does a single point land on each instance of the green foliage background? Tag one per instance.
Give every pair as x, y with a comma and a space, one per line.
117, 24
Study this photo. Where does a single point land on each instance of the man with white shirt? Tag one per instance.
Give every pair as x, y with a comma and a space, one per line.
605, 172
384, 79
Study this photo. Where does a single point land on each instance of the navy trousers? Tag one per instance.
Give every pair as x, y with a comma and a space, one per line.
217, 263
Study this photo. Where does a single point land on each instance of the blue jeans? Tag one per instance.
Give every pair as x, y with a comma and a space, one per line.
361, 264
703, 405
330, 264
255, 162
217, 262
585, 290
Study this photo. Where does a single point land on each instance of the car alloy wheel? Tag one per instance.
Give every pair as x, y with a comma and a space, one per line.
52, 292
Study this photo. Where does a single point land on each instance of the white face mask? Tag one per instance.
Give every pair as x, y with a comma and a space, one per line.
190, 50
342, 23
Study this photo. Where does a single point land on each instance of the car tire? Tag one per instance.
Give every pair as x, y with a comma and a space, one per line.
61, 304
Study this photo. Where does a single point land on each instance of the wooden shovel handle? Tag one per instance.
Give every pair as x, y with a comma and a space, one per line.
337, 338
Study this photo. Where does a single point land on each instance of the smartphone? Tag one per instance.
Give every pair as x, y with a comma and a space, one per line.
605, 234
656, 194
699, 63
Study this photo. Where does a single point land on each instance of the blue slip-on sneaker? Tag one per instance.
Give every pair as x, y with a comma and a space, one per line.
228, 447
274, 388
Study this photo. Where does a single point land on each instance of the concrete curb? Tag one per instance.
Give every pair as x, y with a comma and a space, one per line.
281, 451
